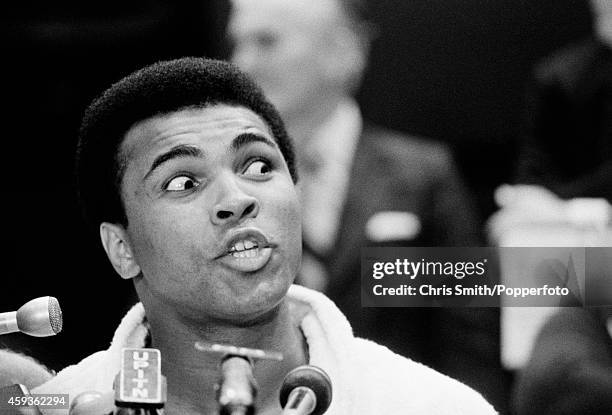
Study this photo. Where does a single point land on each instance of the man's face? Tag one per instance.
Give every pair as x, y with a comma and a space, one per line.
282, 44
602, 8
213, 217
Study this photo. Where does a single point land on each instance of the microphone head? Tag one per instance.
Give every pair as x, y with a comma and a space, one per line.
40, 317
92, 403
311, 377
55, 315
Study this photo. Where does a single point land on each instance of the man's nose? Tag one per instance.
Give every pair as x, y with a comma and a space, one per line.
233, 205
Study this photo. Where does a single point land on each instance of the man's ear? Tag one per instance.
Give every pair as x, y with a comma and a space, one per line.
116, 244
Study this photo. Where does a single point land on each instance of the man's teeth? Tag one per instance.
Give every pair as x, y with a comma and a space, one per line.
244, 249
249, 253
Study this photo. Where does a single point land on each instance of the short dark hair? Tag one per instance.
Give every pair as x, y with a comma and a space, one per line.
161, 88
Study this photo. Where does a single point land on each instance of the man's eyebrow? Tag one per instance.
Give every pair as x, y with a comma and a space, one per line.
175, 152
248, 138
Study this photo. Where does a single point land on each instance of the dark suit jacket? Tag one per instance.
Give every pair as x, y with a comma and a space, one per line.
395, 172
567, 144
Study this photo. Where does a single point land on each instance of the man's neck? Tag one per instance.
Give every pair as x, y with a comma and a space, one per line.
192, 375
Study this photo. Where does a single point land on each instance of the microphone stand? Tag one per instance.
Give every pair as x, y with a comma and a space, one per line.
237, 387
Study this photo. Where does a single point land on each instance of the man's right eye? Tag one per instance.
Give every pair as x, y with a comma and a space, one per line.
181, 183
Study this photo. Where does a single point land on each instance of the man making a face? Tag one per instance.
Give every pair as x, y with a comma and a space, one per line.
189, 174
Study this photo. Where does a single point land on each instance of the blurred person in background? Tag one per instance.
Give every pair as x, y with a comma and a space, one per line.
363, 185
562, 198
565, 168
570, 369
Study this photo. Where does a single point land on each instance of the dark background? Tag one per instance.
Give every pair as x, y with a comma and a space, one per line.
60, 56
456, 70
453, 70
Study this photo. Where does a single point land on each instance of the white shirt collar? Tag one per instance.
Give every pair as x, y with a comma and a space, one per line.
603, 28
327, 160
336, 139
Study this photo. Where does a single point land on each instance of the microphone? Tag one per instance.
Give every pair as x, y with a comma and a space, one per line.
92, 403
237, 388
140, 388
40, 317
306, 390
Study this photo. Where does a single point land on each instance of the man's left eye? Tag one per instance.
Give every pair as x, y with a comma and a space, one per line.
258, 168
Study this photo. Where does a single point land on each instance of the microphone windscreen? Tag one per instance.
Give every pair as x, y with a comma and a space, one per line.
55, 315
92, 403
40, 317
311, 377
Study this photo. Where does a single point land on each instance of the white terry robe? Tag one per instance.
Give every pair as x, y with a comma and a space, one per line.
367, 378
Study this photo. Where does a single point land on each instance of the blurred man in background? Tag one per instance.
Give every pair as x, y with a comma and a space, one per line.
567, 147
570, 369
563, 198
362, 185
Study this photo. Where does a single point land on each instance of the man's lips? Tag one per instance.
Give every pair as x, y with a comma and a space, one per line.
245, 250
239, 240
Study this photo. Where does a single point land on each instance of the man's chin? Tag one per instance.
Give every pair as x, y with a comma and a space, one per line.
261, 305
258, 318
